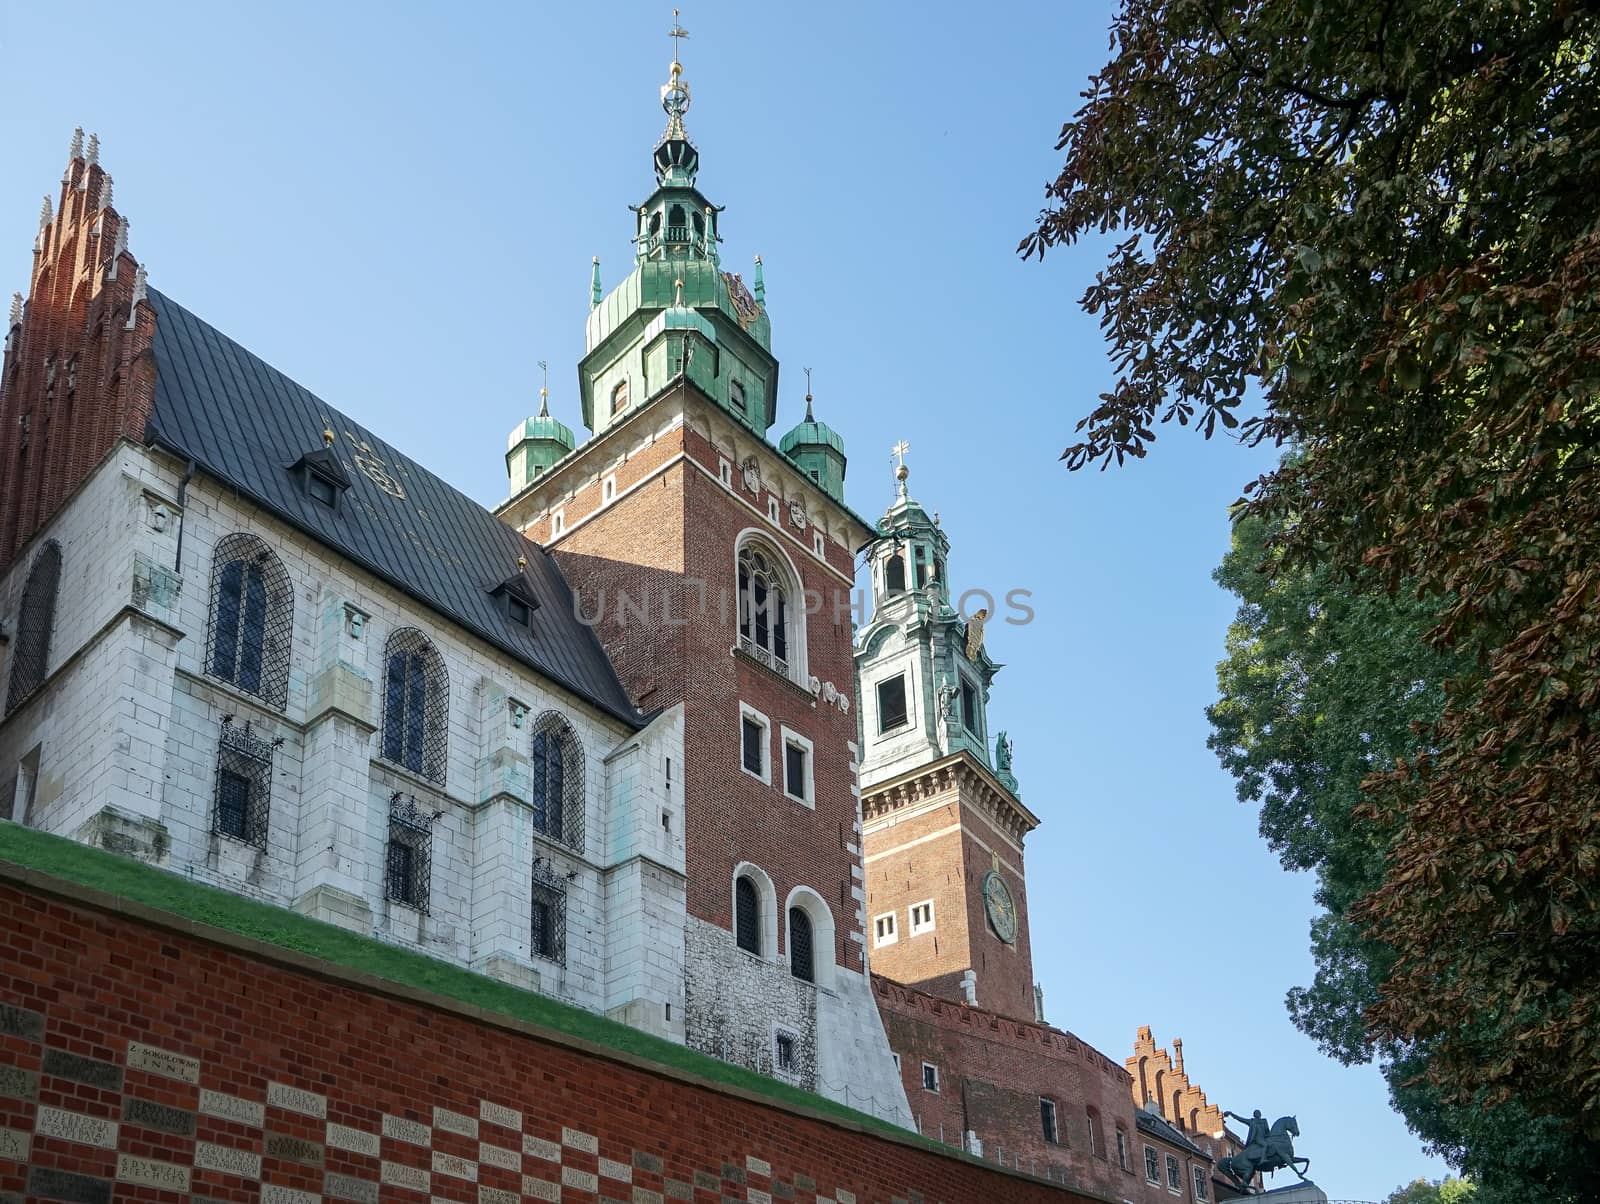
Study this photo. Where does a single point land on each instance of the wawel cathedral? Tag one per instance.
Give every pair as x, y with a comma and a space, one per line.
619, 741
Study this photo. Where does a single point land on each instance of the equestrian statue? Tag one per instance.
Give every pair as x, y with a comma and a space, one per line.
1266, 1148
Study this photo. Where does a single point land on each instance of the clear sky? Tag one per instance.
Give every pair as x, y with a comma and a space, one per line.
397, 205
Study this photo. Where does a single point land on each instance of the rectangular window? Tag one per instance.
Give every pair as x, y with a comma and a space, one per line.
1174, 1175
921, 917
892, 703
725, 473
784, 1053
883, 932
1093, 1125
1199, 1183
548, 914
818, 546
1047, 1120
233, 803
753, 744
321, 489
772, 509
1122, 1151
930, 1077
517, 610
969, 706
1152, 1165
407, 866
242, 801
794, 770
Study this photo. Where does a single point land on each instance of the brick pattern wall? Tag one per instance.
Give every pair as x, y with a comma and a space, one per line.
993, 1072
77, 372
225, 1076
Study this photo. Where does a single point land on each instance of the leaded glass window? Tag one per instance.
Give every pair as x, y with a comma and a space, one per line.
252, 619
556, 785
415, 705
802, 959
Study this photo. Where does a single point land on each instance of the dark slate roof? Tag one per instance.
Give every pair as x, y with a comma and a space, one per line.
1159, 1126
245, 423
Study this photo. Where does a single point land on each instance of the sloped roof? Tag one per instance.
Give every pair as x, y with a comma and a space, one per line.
245, 423
1158, 1126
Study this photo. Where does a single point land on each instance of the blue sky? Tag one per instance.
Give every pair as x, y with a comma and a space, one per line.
397, 205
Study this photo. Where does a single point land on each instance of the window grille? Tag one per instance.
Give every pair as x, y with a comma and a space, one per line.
547, 936
252, 619
556, 789
408, 857
747, 915
243, 793
415, 705
763, 609
785, 1052
802, 959
30, 656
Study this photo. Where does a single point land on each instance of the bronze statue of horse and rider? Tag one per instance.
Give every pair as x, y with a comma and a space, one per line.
1266, 1148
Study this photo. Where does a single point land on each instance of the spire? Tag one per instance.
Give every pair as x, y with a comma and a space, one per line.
760, 285
544, 387
807, 371
594, 284
45, 213
105, 193
92, 156
676, 158
75, 151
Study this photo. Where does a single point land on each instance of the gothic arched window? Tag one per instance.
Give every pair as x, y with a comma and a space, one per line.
766, 615
802, 959
556, 785
416, 694
35, 618
252, 619
747, 914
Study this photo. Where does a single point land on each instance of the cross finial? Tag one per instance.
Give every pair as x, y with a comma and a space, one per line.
677, 33
675, 93
544, 390
901, 472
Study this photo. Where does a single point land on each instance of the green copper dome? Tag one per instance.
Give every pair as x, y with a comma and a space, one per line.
535, 444
818, 451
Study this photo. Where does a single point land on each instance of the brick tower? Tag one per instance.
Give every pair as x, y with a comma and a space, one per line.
78, 374
717, 569
943, 822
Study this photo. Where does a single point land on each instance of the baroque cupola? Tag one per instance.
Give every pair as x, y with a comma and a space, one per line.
816, 449
536, 444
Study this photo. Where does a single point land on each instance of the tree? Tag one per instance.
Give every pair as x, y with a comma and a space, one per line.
1324, 680
1434, 1191
1380, 215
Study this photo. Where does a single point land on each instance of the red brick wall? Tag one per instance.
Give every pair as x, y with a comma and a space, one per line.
320, 1061
672, 542
52, 435
993, 1071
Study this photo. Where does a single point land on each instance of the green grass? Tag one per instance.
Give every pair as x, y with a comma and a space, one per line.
132, 880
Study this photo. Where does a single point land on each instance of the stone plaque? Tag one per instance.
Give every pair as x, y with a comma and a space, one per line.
294, 1149
538, 1147
231, 1107
454, 1122
292, 1099
457, 1168
757, 1166
148, 1115
226, 1159
348, 1187
706, 1181
271, 1193
14, 1144
643, 1195
20, 1022
493, 1155
677, 1189
610, 1168
18, 1083
343, 1137
587, 1142
409, 1131
541, 1189
74, 1126
506, 1118
646, 1162
580, 1180
163, 1062
756, 1196
845, 1197
148, 1173
64, 1065
398, 1175
781, 1190
494, 1195
805, 1183
62, 1185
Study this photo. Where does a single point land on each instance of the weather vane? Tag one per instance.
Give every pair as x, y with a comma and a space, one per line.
675, 93
544, 389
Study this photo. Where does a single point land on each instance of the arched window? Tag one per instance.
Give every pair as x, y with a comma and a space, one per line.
699, 225
894, 574
36, 617
252, 619
677, 230
556, 786
655, 221
1177, 1114
766, 616
619, 397
747, 914
802, 959
1161, 1091
415, 704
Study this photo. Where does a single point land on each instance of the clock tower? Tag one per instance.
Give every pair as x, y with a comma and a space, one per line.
942, 817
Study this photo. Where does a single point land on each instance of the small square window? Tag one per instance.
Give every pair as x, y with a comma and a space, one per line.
883, 930
1047, 1120
753, 734
921, 917
784, 1053
892, 703
930, 1077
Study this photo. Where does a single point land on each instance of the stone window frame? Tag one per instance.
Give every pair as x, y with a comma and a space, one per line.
884, 935
748, 712
558, 522
1050, 1121
824, 935
548, 888
1152, 1165
918, 929
273, 632
789, 738
907, 724
563, 749
930, 1082
1174, 1171
430, 758
767, 900
608, 489
786, 574
1199, 1177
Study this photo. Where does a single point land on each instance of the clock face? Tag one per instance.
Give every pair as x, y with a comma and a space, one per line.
1002, 909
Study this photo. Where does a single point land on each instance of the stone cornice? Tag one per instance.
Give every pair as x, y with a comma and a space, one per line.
961, 772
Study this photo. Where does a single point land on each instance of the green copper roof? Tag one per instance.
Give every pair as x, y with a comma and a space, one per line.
542, 426
812, 434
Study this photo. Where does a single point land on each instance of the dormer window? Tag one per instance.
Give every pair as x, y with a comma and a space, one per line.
321, 476
321, 489
516, 598
519, 612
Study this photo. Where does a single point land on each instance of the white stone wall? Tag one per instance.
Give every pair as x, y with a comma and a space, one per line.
128, 723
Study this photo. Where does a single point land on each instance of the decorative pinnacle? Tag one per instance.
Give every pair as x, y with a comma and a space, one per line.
121, 244
16, 309
760, 289
675, 92
45, 212
93, 154
76, 150
544, 387
105, 193
594, 283
522, 563
141, 292
807, 371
